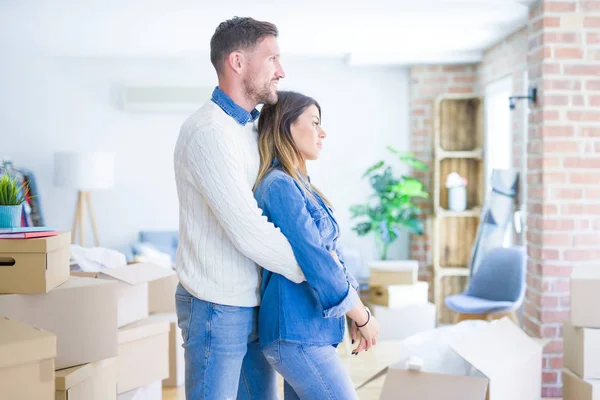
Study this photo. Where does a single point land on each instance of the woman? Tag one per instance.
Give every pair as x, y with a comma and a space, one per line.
301, 324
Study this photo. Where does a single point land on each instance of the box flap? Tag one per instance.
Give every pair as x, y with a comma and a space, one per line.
372, 378
576, 388
171, 317
84, 274
407, 265
143, 329
585, 273
67, 378
37, 245
79, 281
21, 343
134, 274
496, 348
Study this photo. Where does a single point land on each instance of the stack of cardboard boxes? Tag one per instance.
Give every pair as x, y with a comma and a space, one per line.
80, 336
162, 307
581, 372
399, 300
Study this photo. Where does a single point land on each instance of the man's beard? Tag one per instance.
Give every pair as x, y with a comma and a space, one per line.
260, 95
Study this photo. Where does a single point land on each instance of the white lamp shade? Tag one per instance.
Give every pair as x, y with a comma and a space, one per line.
84, 171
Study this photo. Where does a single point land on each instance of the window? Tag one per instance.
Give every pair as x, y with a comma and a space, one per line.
521, 214
498, 136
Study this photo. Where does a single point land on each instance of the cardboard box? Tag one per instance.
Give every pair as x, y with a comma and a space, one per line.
143, 354
94, 381
26, 361
82, 312
399, 295
161, 294
176, 359
399, 323
575, 388
585, 290
132, 288
148, 392
582, 351
508, 362
34, 265
396, 272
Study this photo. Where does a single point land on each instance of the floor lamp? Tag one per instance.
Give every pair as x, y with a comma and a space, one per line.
85, 172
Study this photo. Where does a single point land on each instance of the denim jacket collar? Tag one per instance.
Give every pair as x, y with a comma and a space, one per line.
233, 110
276, 164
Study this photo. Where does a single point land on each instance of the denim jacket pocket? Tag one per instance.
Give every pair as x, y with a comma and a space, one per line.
322, 221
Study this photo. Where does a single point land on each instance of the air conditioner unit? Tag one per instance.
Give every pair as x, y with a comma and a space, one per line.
156, 99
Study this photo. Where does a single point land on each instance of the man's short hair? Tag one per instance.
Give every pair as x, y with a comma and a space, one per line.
237, 34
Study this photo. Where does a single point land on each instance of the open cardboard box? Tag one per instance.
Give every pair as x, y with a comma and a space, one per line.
132, 289
506, 360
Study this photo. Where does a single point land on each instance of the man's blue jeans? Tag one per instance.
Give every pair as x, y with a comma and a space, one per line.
223, 359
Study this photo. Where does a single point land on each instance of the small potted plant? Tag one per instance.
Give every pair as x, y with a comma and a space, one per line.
12, 196
391, 207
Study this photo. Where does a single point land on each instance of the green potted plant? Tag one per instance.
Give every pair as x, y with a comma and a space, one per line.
391, 207
12, 196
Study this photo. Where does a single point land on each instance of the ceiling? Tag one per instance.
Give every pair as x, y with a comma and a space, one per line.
396, 32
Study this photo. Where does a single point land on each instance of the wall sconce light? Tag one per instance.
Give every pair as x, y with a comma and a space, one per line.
512, 100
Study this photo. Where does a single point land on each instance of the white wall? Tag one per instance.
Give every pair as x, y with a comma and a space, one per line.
53, 104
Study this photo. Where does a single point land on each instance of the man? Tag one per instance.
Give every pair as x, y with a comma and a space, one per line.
223, 235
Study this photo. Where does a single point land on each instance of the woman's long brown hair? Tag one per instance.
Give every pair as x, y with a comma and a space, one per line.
275, 139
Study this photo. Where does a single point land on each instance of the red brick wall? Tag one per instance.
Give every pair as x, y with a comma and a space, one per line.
426, 84
560, 48
564, 165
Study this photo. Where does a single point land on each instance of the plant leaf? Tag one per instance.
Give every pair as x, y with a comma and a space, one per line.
373, 168
359, 210
12, 193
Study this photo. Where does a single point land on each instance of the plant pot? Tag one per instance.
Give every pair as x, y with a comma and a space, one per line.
10, 216
457, 198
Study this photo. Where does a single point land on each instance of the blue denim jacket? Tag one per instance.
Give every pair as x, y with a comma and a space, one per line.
311, 312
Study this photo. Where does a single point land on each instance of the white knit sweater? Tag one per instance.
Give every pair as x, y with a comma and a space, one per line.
222, 233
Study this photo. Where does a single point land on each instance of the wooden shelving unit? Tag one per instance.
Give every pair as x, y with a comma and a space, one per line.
458, 147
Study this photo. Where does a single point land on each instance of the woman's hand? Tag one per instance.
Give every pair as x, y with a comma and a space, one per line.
368, 334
